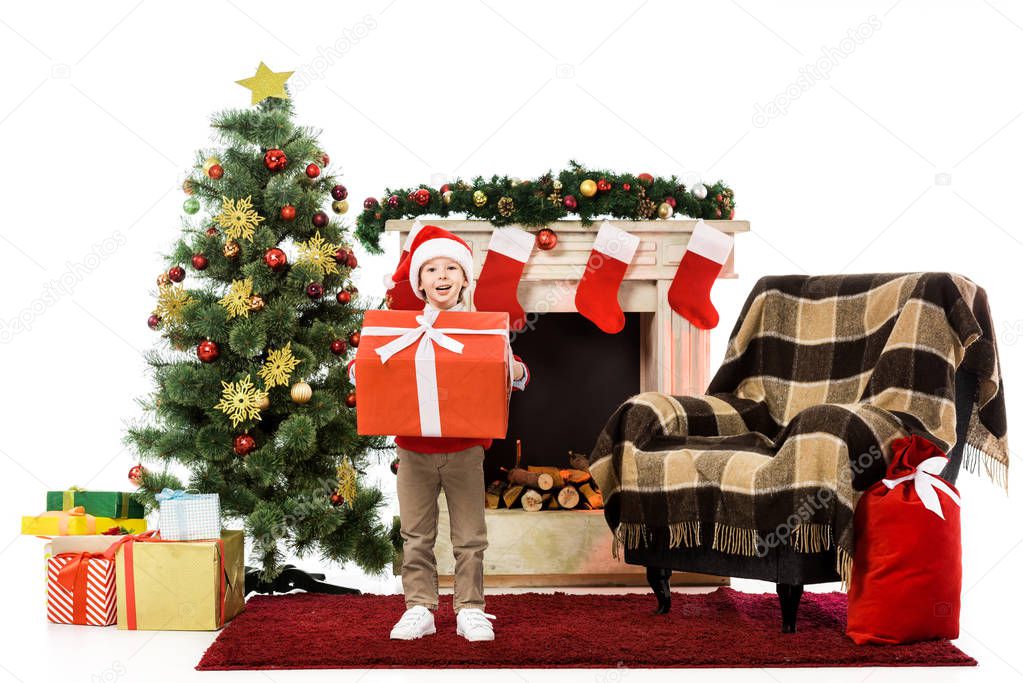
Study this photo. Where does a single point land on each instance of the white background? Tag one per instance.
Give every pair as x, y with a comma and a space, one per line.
905, 157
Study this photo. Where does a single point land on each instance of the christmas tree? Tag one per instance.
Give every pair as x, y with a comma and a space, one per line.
252, 395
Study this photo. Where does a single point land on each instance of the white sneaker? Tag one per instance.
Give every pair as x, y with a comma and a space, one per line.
473, 624
415, 623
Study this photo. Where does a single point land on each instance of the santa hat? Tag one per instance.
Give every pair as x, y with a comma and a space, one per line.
431, 242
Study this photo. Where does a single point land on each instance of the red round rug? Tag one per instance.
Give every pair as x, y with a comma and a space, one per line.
724, 628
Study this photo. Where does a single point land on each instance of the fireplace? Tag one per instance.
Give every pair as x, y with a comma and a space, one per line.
580, 375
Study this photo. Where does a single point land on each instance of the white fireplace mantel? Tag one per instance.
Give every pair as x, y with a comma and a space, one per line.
675, 355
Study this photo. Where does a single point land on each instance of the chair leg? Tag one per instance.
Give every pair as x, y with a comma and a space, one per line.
660, 581
789, 595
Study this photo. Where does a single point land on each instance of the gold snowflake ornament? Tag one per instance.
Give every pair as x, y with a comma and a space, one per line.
240, 401
237, 299
346, 481
319, 253
238, 218
171, 302
277, 369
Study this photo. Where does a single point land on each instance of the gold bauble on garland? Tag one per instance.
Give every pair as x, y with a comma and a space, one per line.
587, 188
301, 392
479, 198
340, 206
447, 196
665, 210
264, 402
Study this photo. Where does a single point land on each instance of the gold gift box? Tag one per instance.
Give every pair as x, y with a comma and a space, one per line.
176, 585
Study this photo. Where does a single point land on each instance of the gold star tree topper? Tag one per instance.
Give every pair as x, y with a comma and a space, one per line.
278, 367
319, 253
266, 83
238, 218
240, 401
237, 299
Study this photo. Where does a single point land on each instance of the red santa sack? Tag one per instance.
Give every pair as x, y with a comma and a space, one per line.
907, 569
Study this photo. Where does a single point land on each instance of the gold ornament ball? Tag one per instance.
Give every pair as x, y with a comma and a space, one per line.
264, 402
162, 280
256, 303
340, 206
479, 198
556, 185
209, 163
187, 187
447, 196
301, 392
231, 249
665, 210
587, 188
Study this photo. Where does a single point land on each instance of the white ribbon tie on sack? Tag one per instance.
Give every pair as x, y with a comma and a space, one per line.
925, 481
426, 361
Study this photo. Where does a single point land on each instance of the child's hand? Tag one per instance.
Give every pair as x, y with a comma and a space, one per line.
519, 371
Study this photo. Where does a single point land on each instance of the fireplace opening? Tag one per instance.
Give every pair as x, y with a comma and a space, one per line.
579, 375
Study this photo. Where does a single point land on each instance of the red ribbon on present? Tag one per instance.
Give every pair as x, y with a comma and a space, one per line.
129, 575
74, 575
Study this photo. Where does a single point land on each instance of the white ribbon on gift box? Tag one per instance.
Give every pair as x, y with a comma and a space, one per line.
426, 361
925, 481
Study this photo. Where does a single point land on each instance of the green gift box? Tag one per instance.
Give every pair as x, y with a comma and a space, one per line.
98, 503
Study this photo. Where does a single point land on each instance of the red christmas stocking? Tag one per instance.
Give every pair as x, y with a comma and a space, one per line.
498, 283
596, 297
400, 296
689, 294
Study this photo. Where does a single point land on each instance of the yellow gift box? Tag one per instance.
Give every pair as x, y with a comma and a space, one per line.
180, 585
75, 522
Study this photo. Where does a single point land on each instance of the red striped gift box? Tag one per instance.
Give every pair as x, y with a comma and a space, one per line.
81, 588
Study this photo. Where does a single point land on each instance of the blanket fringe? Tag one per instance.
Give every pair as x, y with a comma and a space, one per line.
684, 534
735, 540
844, 561
995, 469
811, 538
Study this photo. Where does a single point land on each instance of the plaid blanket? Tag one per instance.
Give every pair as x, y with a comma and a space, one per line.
821, 374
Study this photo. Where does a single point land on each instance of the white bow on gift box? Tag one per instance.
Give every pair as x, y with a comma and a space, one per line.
426, 361
925, 481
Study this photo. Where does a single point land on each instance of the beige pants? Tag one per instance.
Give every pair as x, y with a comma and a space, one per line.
421, 477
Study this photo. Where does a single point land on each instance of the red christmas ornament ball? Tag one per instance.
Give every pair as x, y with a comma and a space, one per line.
216, 171
244, 444
200, 262
320, 219
603, 185
314, 290
154, 321
570, 202
645, 178
392, 201
135, 475
339, 192
177, 273
626, 186
275, 159
312, 170
324, 159
338, 347
370, 203
546, 239
275, 259
354, 338
351, 261
350, 400
341, 255
445, 188
287, 212
670, 201
421, 196
211, 231
336, 499
208, 351
344, 297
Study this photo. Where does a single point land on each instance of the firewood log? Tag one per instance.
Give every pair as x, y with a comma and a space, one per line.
593, 497
576, 477
536, 480
494, 492
553, 472
511, 494
567, 498
579, 461
532, 500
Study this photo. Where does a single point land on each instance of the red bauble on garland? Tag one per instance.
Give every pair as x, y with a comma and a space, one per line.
244, 444
350, 400
324, 159
287, 212
135, 474
211, 231
216, 171
570, 202
341, 255
320, 219
351, 261
339, 192
312, 170
546, 239
370, 203
200, 262
154, 321
275, 159
421, 196
338, 347
176, 274
670, 201
337, 500
275, 259
208, 351
392, 201
645, 178
314, 290
354, 338
603, 185
344, 297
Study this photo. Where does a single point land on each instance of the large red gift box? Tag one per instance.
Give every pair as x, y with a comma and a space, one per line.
433, 373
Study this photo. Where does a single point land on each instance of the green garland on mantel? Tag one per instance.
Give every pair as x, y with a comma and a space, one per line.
505, 201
